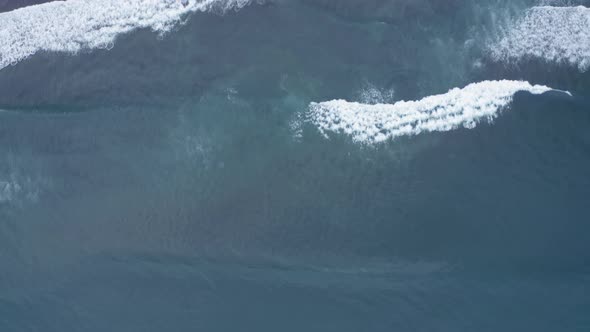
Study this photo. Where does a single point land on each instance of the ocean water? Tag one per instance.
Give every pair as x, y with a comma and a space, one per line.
295, 165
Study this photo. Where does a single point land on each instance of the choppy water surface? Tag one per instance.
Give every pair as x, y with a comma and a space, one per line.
302, 165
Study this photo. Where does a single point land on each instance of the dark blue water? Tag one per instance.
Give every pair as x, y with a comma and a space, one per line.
173, 182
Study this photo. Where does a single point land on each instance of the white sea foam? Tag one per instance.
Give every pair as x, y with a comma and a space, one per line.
457, 108
564, 3
554, 34
371, 94
16, 189
73, 25
8, 190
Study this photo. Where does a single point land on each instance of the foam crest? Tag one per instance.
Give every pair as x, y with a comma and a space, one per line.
554, 34
457, 108
74, 25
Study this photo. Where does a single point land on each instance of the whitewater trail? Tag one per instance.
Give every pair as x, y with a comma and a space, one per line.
558, 35
74, 25
374, 123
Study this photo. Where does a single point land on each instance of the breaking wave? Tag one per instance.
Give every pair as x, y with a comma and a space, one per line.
74, 25
376, 123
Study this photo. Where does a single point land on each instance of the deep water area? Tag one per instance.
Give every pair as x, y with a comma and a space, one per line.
295, 165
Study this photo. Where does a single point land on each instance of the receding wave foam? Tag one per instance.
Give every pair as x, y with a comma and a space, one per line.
16, 189
564, 2
554, 34
8, 190
457, 108
73, 25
